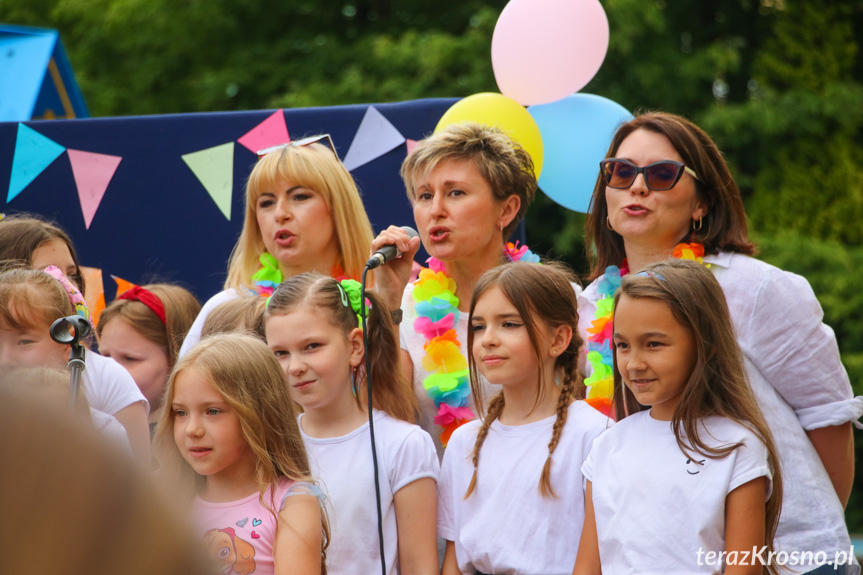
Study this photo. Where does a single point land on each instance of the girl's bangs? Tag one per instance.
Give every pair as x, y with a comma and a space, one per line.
23, 314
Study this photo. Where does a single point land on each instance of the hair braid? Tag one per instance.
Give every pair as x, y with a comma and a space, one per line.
495, 407
567, 394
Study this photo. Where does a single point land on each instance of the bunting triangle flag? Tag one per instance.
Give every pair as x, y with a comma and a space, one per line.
214, 168
411, 144
375, 137
270, 132
122, 285
33, 153
95, 292
93, 173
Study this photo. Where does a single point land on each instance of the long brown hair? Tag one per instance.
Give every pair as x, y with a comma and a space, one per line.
21, 234
246, 373
393, 394
718, 384
724, 225
540, 294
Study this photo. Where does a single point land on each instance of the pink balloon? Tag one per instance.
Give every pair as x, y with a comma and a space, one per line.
545, 50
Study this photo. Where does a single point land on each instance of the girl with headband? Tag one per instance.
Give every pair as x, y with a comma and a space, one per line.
303, 214
312, 326
30, 301
142, 330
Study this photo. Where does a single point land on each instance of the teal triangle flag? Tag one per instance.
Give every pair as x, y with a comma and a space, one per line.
33, 153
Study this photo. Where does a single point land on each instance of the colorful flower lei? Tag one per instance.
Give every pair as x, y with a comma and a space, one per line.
436, 308
600, 384
267, 279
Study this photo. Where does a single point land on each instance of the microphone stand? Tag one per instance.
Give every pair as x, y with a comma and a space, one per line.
71, 330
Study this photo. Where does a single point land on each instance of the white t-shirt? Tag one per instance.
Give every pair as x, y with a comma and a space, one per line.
194, 335
111, 428
108, 386
343, 466
655, 506
506, 525
793, 365
413, 342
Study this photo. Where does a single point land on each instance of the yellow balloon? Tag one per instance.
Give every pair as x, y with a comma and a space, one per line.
497, 110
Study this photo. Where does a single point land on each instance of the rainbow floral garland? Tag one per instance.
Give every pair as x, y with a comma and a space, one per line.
267, 279
436, 308
600, 385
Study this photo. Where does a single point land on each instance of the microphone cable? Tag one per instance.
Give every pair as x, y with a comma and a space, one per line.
368, 365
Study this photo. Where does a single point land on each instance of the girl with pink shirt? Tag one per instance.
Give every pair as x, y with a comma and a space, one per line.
228, 442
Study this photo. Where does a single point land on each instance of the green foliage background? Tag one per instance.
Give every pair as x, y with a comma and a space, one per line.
777, 83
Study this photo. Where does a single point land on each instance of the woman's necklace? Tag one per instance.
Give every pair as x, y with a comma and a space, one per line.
268, 278
600, 384
436, 308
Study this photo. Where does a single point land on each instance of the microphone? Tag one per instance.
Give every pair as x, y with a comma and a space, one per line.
389, 252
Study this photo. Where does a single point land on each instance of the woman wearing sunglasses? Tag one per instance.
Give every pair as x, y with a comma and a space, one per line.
664, 190
303, 214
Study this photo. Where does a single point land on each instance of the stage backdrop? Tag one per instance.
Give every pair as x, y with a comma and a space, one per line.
160, 198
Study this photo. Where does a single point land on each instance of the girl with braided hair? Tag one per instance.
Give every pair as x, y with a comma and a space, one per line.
522, 510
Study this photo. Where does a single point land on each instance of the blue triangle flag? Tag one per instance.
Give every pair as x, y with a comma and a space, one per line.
33, 153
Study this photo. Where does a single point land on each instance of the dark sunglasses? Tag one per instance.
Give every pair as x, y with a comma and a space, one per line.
302, 142
658, 176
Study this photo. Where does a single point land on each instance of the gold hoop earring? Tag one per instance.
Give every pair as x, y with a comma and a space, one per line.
698, 228
608, 223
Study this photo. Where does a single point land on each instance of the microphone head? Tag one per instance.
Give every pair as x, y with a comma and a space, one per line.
410, 231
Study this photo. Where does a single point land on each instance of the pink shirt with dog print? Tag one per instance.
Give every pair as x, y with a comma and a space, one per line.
238, 536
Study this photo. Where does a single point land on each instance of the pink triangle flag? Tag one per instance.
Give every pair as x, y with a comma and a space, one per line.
93, 173
270, 132
411, 144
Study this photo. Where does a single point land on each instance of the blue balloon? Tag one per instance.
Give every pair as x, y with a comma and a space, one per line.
576, 132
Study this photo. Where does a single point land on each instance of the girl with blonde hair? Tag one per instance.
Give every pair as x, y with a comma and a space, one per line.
228, 441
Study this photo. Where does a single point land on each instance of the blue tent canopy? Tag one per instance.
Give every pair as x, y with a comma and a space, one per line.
36, 79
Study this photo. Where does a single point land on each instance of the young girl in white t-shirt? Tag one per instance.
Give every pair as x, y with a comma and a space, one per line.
312, 326
511, 496
692, 484
228, 445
